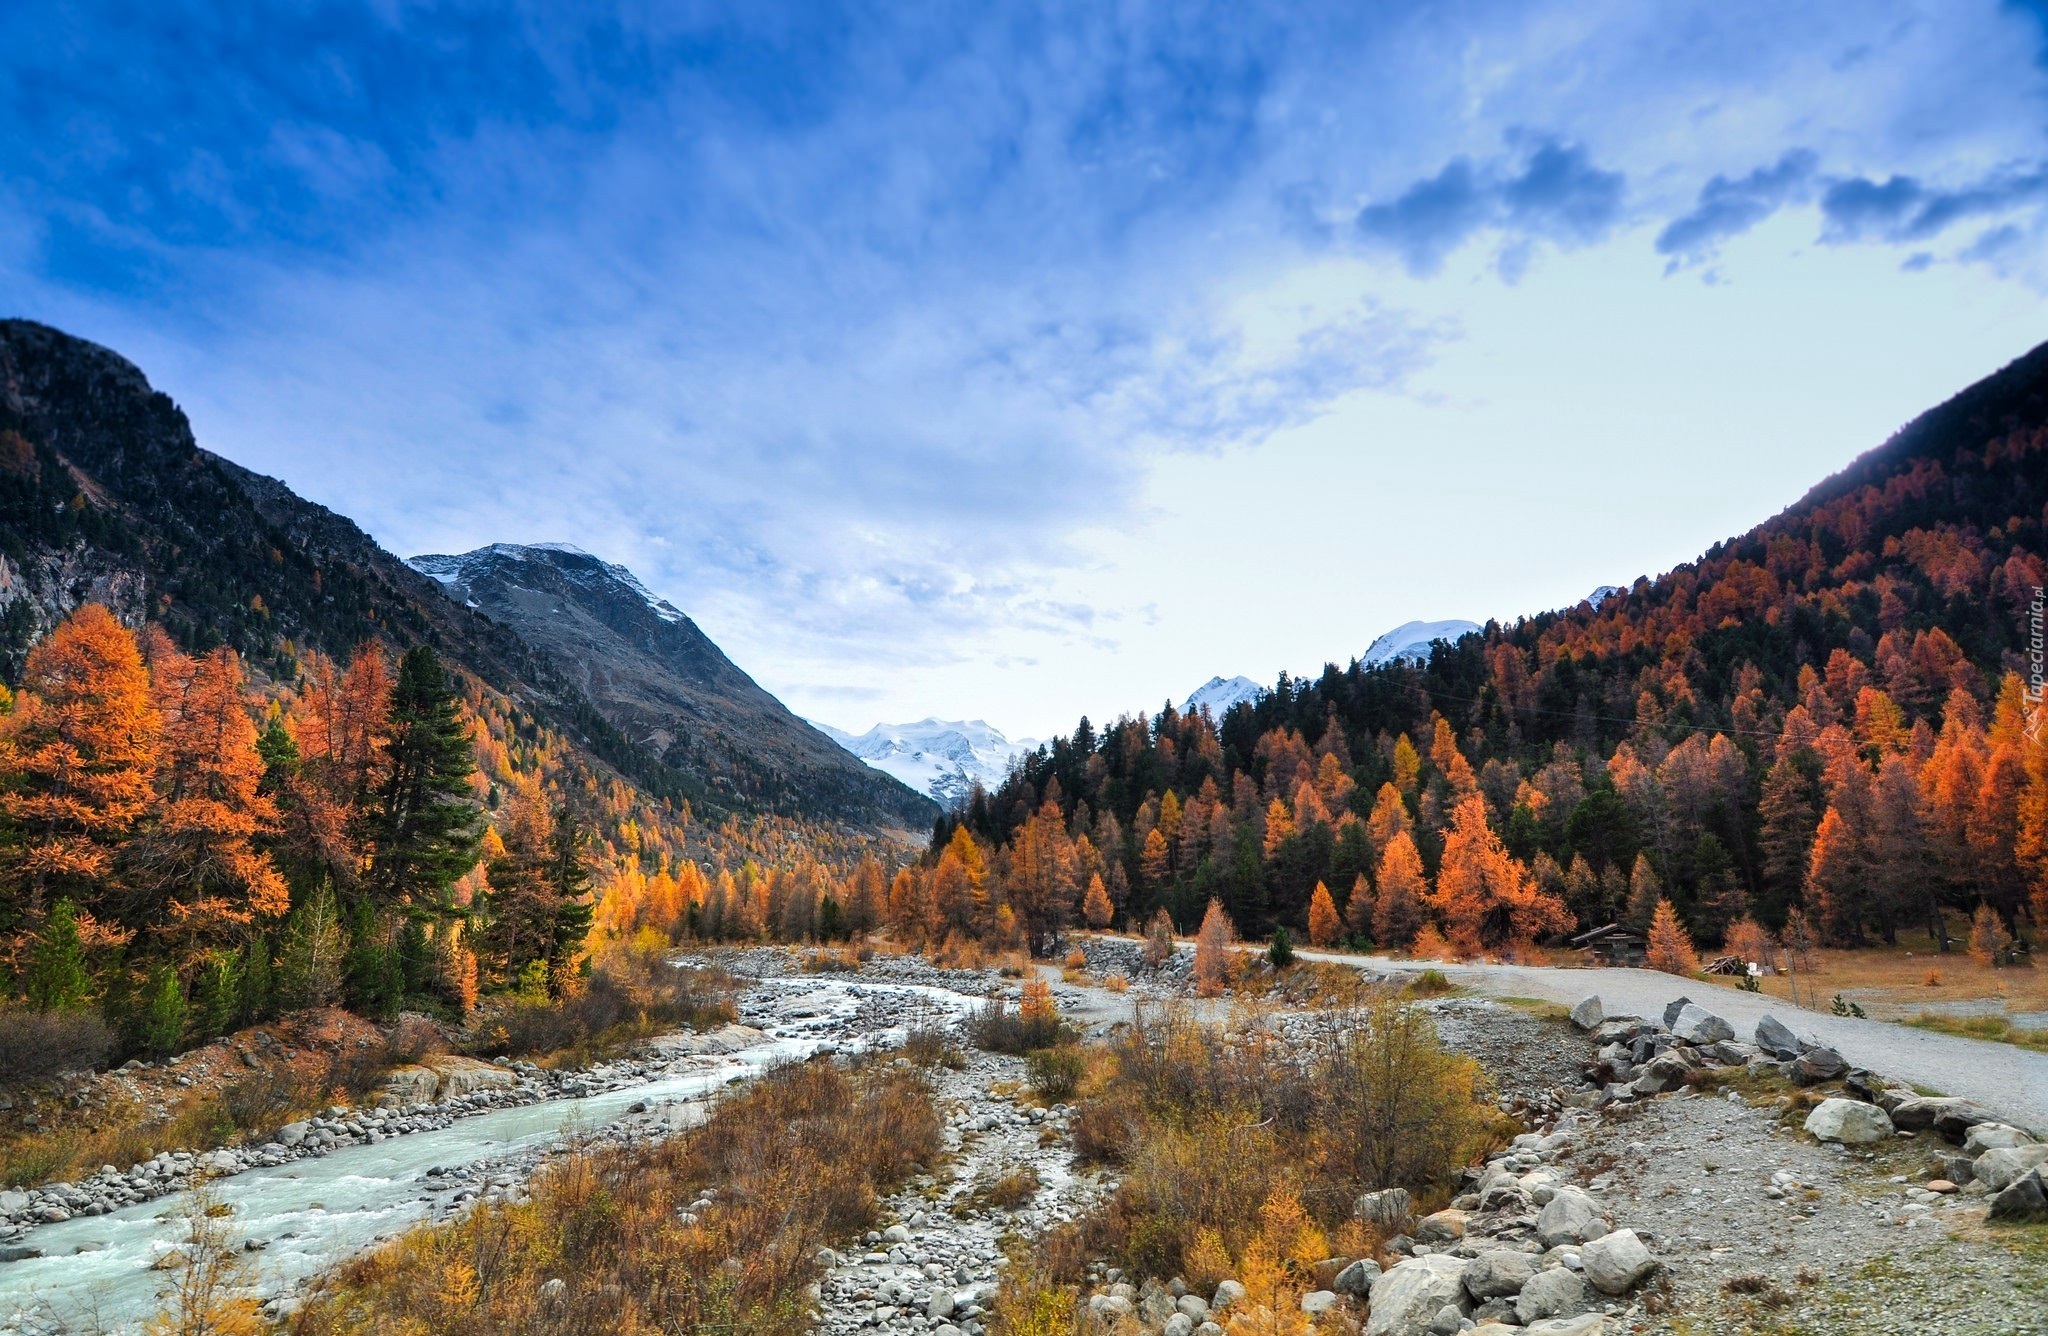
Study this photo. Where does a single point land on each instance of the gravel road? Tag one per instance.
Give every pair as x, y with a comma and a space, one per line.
2010, 1081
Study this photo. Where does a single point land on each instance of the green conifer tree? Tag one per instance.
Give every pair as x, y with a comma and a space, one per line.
161, 1026
425, 828
56, 978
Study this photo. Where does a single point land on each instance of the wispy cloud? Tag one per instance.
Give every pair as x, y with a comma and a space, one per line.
1553, 193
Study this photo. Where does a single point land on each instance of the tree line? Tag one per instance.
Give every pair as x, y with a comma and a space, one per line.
186, 852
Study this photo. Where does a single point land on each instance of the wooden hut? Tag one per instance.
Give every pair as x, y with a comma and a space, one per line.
1613, 944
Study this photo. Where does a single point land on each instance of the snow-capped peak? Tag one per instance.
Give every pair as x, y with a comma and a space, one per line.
460, 569
1411, 641
1603, 593
943, 758
1221, 695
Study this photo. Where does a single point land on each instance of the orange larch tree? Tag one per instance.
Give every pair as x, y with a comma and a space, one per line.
1398, 911
1212, 951
1323, 923
81, 755
1484, 895
1096, 910
1670, 946
200, 880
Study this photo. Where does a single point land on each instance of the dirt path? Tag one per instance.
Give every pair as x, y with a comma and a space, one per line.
2011, 1081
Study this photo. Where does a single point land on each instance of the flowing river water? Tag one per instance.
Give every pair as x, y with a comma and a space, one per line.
98, 1273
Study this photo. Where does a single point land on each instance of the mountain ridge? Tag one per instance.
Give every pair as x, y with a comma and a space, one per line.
106, 496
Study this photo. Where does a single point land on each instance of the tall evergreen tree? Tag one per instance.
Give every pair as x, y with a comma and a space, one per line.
424, 826
56, 977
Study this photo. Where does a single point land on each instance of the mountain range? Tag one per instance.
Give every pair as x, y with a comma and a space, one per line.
943, 759
106, 496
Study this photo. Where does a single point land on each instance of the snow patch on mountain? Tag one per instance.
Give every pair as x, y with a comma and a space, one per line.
1222, 695
1603, 593
457, 571
1411, 641
939, 757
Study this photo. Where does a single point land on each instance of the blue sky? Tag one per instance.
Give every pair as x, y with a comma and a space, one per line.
1019, 362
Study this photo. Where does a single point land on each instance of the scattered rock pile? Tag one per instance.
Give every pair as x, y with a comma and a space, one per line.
1640, 1058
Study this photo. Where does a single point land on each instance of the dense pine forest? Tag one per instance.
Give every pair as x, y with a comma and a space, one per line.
1827, 722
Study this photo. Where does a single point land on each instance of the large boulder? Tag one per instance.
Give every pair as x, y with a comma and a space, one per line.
1497, 1274
460, 1076
1557, 1291
1589, 1013
2025, 1198
1387, 1207
1445, 1226
1357, 1278
410, 1085
1700, 1027
1409, 1295
1816, 1065
1848, 1121
1775, 1037
1993, 1136
1616, 1263
1672, 1010
1947, 1116
1666, 1071
1571, 1217
2000, 1169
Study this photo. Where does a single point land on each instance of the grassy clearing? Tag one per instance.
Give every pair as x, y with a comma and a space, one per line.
621, 1240
1893, 982
1240, 1157
1995, 1028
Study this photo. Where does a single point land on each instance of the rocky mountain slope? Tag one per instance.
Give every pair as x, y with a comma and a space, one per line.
656, 676
105, 496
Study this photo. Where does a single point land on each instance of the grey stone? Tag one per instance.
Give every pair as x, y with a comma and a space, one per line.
1388, 1207
1180, 1324
1816, 1065
1357, 1278
1107, 1308
1571, 1217
1671, 1010
1615, 1263
1194, 1305
1497, 1274
2024, 1199
1449, 1321
551, 1291
896, 1234
1556, 1292
291, 1134
1999, 1169
1586, 1324
1993, 1136
1407, 1298
1848, 1121
1775, 1037
1446, 1226
1665, 1072
1589, 1013
939, 1305
1227, 1293
1698, 1026
1316, 1302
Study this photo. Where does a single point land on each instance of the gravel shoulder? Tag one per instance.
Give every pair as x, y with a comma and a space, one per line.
2012, 1080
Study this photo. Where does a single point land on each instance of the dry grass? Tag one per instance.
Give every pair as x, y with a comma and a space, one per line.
792, 1164
1892, 983
253, 1102
1995, 1028
632, 996
1225, 1144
